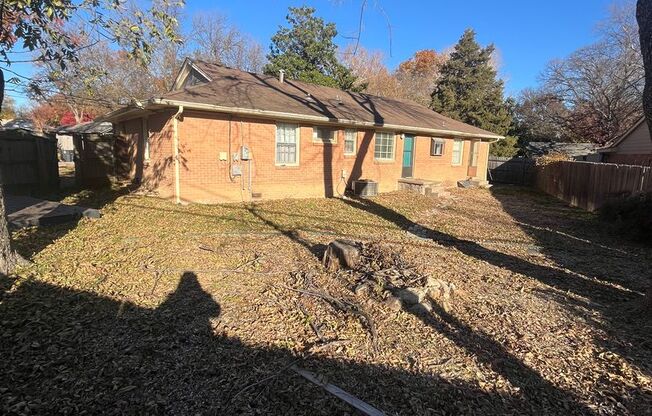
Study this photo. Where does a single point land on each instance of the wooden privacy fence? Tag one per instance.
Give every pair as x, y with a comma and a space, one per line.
28, 162
516, 171
588, 185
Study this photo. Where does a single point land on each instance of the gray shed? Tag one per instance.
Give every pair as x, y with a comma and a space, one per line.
94, 152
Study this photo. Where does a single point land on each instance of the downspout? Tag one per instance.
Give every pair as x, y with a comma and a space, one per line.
230, 156
177, 167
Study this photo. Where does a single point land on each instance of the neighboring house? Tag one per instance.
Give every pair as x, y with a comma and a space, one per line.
632, 148
226, 135
64, 143
576, 151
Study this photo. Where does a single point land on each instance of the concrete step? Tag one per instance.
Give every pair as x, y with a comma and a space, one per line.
424, 187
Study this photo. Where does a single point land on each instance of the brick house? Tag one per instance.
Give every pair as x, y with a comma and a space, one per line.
224, 135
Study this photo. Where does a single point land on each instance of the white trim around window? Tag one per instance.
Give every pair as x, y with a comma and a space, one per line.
458, 152
287, 144
350, 142
384, 146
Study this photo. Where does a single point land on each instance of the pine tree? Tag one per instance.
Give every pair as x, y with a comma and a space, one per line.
306, 51
469, 89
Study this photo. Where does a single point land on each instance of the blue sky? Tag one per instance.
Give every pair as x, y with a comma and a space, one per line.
528, 34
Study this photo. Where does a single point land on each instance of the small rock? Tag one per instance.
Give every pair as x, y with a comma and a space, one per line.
361, 289
435, 293
393, 303
534, 250
423, 308
411, 295
431, 282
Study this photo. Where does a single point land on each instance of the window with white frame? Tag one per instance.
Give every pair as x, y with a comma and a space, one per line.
458, 149
436, 147
384, 146
350, 142
287, 144
323, 135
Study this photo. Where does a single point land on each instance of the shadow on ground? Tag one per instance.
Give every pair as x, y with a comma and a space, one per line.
609, 302
66, 351
609, 274
30, 241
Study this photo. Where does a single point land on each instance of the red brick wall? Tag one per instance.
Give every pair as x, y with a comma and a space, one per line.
158, 170
205, 178
127, 145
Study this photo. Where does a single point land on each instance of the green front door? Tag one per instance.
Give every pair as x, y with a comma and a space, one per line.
408, 156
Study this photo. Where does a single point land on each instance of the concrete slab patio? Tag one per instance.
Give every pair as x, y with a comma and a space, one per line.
27, 211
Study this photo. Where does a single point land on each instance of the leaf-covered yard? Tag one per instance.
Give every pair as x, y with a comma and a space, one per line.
159, 308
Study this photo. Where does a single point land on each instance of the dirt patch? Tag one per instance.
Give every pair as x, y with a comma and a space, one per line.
158, 308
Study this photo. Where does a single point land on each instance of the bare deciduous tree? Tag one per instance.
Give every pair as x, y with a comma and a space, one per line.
217, 41
601, 85
541, 116
369, 69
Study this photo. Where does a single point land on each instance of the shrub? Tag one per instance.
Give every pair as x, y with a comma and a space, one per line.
551, 157
631, 217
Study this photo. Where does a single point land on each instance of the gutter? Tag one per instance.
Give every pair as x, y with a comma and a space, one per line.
177, 168
318, 119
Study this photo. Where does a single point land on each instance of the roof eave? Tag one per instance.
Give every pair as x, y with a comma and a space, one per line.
606, 150
123, 113
279, 115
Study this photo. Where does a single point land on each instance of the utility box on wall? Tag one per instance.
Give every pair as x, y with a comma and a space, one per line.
245, 153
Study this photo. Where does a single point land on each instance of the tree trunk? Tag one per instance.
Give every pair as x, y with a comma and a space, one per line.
644, 19
7, 256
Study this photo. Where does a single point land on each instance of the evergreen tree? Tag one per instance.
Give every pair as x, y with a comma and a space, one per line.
469, 89
306, 51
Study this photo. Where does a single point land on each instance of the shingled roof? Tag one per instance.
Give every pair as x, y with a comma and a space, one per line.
228, 88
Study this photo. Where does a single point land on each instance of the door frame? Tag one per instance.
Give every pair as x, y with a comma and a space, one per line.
411, 167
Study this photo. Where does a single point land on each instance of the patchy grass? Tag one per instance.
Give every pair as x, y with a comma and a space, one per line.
159, 308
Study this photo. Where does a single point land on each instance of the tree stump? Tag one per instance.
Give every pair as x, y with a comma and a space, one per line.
341, 253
